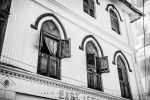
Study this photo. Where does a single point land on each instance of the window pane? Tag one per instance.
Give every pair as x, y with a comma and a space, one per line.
91, 4
120, 74
42, 64
91, 61
92, 12
122, 88
90, 79
85, 8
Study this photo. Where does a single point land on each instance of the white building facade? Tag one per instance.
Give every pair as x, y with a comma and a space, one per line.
68, 50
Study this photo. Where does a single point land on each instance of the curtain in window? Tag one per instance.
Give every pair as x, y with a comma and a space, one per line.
52, 45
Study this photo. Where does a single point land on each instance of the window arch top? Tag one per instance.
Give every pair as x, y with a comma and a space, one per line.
113, 13
120, 63
50, 27
90, 48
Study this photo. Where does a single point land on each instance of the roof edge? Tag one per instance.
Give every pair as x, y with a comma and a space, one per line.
135, 10
132, 7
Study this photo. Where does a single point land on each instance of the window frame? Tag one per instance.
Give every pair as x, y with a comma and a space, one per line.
51, 36
94, 72
114, 18
89, 8
124, 81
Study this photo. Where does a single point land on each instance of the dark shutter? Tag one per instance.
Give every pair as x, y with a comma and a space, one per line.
66, 48
53, 69
99, 83
91, 61
104, 64
42, 64
120, 74
98, 65
122, 88
90, 79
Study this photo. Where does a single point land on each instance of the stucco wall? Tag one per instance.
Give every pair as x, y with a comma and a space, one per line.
77, 24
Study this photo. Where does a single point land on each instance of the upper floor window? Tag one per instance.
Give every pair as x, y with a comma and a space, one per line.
123, 78
114, 21
93, 67
51, 49
88, 6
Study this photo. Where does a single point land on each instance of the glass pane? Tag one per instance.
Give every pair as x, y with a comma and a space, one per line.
86, 1
43, 61
90, 80
91, 4
127, 91
45, 27
120, 74
53, 67
122, 88
85, 8
91, 61
50, 27
90, 48
50, 24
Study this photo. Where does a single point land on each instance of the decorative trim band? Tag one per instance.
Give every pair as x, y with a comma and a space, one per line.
115, 9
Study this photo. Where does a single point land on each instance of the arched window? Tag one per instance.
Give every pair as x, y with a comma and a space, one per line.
123, 78
114, 21
51, 50
93, 67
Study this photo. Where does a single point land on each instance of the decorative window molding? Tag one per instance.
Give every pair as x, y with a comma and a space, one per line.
97, 1
114, 8
38, 21
93, 38
122, 54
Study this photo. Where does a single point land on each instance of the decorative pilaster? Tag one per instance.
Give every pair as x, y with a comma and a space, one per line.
13, 41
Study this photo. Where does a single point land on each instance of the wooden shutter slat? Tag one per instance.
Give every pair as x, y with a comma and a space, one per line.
104, 64
90, 60
98, 65
66, 48
42, 64
53, 67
